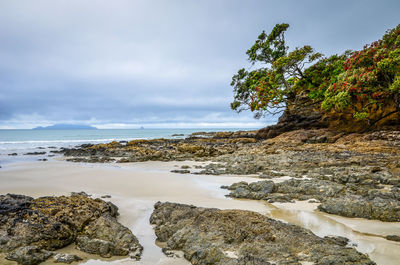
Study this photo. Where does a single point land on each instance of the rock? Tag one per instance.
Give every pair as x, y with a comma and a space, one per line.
80, 193
65, 258
340, 240
107, 238
383, 209
376, 169
307, 118
181, 171
185, 167
51, 223
42, 159
169, 253
287, 190
35, 153
106, 196
212, 236
393, 238
13, 154
29, 255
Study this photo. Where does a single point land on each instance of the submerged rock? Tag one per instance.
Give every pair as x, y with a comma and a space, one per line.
35, 226
181, 171
212, 236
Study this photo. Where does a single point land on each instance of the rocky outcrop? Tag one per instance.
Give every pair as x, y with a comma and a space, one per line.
286, 191
107, 238
31, 228
343, 199
291, 121
200, 146
384, 209
212, 236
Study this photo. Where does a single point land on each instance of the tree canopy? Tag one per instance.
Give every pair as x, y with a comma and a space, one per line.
363, 84
270, 87
369, 86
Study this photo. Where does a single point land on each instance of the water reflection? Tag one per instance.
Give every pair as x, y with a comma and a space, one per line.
379, 249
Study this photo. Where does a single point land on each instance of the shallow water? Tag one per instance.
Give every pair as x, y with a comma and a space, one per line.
136, 187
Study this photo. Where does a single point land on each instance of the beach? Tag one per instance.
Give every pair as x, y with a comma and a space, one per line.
135, 187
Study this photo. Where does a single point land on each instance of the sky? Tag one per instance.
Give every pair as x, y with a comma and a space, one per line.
157, 64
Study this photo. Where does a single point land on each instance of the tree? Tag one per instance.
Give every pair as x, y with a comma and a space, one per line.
369, 87
272, 87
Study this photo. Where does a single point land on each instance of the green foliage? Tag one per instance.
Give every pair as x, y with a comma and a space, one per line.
365, 83
371, 78
319, 76
269, 48
269, 88
359, 116
339, 101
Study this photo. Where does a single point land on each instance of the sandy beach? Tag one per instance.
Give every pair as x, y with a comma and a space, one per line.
135, 187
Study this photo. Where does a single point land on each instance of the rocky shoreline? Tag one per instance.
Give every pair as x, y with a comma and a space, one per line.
351, 175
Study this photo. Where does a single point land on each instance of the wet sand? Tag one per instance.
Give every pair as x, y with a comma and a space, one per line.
135, 187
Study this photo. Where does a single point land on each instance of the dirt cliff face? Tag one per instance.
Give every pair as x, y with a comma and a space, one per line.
302, 113
384, 117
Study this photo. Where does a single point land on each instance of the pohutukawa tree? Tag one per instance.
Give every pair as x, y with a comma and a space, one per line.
369, 87
272, 86
361, 86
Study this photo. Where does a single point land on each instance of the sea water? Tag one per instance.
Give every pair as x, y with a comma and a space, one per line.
25, 141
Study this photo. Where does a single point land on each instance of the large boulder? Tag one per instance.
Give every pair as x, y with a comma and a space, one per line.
233, 237
31, 226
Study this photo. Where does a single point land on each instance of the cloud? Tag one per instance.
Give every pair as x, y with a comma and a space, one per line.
124, 63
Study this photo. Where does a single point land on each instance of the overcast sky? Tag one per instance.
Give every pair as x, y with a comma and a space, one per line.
127, 63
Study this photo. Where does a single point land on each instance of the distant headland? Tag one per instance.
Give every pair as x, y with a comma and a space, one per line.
65, 127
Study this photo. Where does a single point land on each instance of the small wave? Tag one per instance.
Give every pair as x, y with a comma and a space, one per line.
67, 141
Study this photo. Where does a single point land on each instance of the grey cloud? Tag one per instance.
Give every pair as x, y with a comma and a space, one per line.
158, 62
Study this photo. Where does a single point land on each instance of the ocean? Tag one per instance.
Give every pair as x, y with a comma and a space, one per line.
24, 141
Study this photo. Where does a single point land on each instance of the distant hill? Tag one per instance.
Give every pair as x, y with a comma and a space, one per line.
66, 127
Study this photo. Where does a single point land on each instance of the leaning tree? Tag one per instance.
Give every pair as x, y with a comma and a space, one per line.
272, 86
